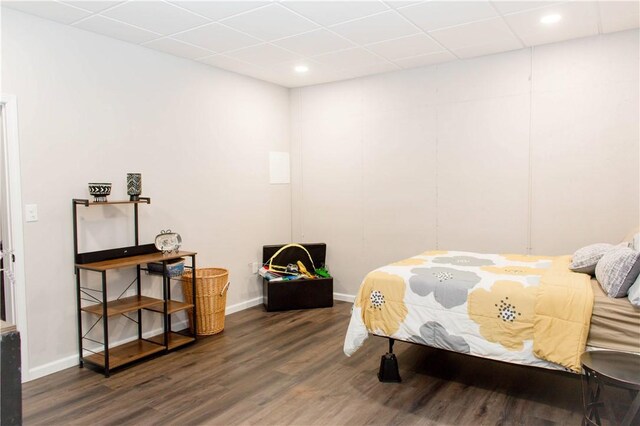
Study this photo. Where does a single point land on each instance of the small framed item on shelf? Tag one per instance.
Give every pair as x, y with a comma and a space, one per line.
167, 241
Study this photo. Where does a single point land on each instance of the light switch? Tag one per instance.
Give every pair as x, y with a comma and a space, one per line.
31, 212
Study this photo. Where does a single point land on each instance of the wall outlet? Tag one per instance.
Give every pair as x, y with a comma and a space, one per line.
255, 266
31, 212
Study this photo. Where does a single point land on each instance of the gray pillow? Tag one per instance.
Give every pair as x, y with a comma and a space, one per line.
585, 259
634, 293
617, 270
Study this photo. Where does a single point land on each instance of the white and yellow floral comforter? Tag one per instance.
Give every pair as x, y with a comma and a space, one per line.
529, 310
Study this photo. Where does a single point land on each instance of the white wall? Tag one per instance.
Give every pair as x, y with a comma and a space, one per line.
93, 109
528, 151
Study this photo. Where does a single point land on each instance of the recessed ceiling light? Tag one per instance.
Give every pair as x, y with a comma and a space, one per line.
550, 19
301, 69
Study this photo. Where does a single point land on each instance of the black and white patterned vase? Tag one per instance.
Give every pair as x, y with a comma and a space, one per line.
100, 191
134, 185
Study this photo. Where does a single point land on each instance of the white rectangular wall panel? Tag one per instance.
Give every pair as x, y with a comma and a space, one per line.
483, 171
585, 142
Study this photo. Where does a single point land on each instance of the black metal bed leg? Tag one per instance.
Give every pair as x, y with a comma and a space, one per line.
389, 372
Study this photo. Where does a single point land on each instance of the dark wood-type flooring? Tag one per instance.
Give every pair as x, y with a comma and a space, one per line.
288, 368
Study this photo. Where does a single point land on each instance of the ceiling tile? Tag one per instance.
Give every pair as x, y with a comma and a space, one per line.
497, 46
619, 15
479, 33
505, 7
116, 29
263, 54
579, 19
230, 64
265, 75
310, 80
433, 15
177, 48
349, 58
219, 9
93, 6
418, 44
361, 71
54, 11
270, 23
217, 37
314, 43
334, 12
383, 26
159, 17
397, 4
424, 60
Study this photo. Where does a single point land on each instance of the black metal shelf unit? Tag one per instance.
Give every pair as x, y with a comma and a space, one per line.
103, 308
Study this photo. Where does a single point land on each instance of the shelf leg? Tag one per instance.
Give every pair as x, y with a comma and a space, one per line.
193, 291
165, 285
138, 285
105, 324
79, 304
168, 298
75, 232
135, 222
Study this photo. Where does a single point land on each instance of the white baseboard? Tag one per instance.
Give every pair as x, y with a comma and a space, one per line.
72, 360
232, 309
344, 297
50, 368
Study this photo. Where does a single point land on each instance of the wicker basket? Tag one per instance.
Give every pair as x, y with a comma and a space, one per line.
211, 287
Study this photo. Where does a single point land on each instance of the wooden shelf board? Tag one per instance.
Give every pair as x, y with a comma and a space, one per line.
173, 306
124, 262
126, 304
175, 339
102, 203
124, 354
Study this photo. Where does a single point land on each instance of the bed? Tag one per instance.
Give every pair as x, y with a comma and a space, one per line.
529, 310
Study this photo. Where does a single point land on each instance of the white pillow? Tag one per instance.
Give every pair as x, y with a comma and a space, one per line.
635, 242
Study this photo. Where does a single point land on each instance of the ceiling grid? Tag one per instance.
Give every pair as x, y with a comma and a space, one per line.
335, 40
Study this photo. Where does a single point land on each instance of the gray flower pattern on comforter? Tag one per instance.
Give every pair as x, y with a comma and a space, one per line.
449, 286
434, 334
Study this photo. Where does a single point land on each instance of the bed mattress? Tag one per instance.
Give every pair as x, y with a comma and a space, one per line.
615, 323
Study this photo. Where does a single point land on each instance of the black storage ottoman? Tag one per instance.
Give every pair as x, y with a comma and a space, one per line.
301, 293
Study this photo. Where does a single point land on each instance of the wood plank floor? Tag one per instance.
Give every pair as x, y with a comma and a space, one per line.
288, 368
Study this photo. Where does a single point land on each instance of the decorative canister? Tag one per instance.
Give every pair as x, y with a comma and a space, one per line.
100, 191
134, 185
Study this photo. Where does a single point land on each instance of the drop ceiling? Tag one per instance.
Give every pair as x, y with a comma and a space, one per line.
335, 40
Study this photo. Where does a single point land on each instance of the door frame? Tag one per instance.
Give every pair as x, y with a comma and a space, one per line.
13, 212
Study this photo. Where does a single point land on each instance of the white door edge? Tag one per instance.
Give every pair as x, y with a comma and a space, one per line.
15, 221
